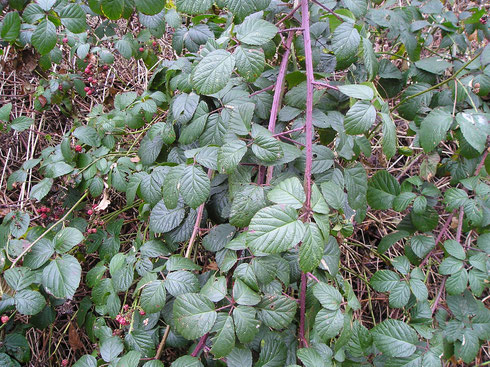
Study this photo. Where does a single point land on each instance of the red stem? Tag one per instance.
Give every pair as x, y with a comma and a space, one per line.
305, 24
200, 345
278, 93
289, 15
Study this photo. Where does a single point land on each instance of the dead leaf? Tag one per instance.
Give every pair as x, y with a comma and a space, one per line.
74, 338
104, 203
135, 159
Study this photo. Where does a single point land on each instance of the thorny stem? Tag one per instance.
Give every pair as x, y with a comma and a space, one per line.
289, 15
278, 93
305, 24
327, 9
28, 248
200, 345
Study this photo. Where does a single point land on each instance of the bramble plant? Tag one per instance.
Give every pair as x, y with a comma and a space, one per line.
212, 213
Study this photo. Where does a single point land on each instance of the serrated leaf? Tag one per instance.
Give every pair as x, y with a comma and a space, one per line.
382, 190
10, 26
312, 248
195, 186
224, 340
246, 323
194, 315
289, 191
246, 202
41, 189
399, 295
193, 6
29, 302
239, 357
275, 229
250, 62
230, 155
149, 7
369, 58
62, 277
389, 141
421, 245
213, 72
360, 118
164, 220
110, 348
180, 282
329, 297
474, 128
454, 249
395, 338
276, 311
243, 295
434, 128
86, 361
384, 280
74, 18
66, 239
266, 148
345, 44
153, 296
255, 31
328, 324
357, 91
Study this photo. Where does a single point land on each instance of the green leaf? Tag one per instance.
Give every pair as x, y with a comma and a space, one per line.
474, 128
10, 26
86, 361
329, 297
290, 192
21, 123
357, 91
242, 8
250, 62
213, 72
457, 282
131, 359
224, 340
357, 7
150, 149
87, 135
230, 155
66, 239
241, 118
246, 323
41, 189
384, 280
194, 186
218, 237
178, 262
5, 111
239, 357
360, 118
44, 37
29, 302
187, 361
275, 229
419, 289
39, 254
180, 282
193, 6
194, 315
454, 249
369, 57
311, 249
73, 17
433, 64
468, 348
255, 31
382, 190
389, 136
311, 357
112, 9
110, 348
243, 295
450, 265
153, 296
328, 324
19, 278
149, 7
62, 277
163, 220
246, 202
334, 194
170, 187
345, 44
410, 108
399, 295
276, 311
215, 288
421, 245
265, 147
434, 128
394, 338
